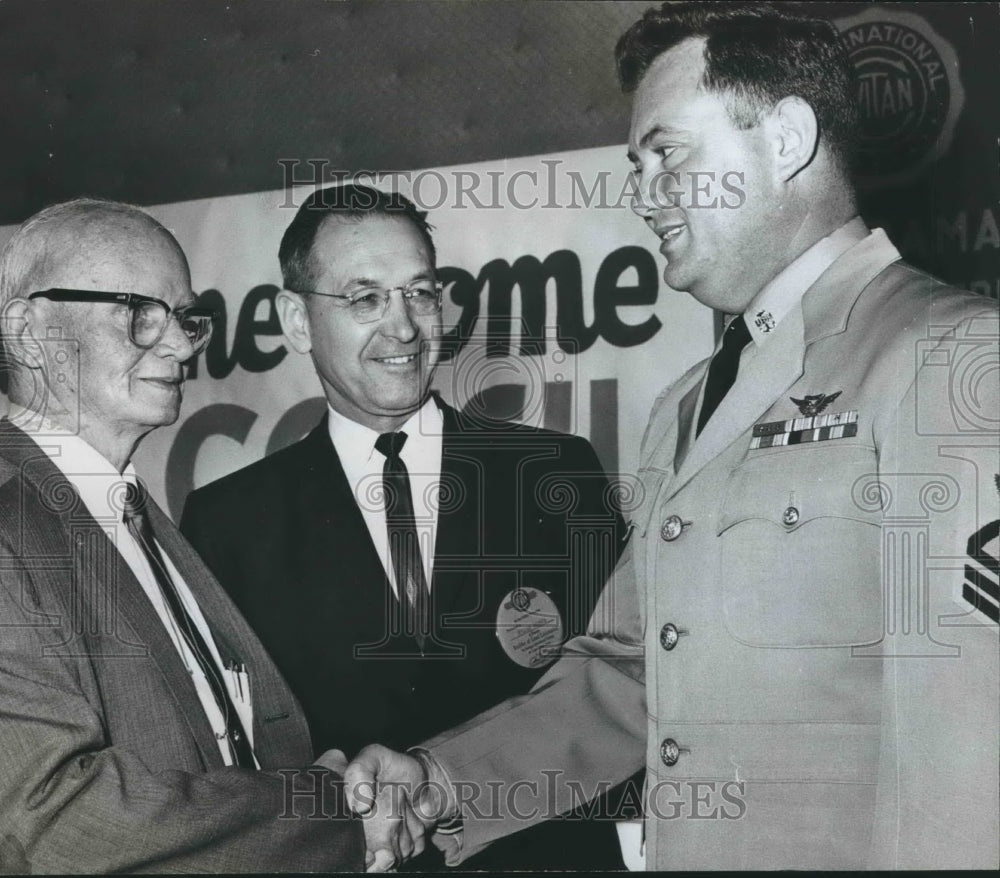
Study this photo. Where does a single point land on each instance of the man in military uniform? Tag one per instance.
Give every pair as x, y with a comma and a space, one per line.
801, 640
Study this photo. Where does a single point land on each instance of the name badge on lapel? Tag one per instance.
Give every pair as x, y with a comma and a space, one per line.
529, 627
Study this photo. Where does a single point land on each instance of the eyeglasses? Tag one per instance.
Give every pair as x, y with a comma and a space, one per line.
148, 317
369, 305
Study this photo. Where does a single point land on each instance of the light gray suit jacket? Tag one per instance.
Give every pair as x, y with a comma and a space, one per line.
827, 695
108, 761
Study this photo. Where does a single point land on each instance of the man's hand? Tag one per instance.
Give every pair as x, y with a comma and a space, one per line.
335, 760
390, 791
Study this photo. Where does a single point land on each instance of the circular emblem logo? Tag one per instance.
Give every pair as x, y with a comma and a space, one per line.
529, 628
908, 90
520, 600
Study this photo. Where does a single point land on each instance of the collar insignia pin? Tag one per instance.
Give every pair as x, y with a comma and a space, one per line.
764, 321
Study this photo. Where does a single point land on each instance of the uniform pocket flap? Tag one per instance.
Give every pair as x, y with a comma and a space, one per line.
800, 550
791, 488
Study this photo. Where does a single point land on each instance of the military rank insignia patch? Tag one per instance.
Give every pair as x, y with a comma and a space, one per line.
982, 571
796, 431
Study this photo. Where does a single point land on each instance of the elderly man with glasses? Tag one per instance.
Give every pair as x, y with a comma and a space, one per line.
407, 565
143, 726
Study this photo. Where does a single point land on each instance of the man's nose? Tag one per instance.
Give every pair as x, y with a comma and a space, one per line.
175, 342
397, 322
642, 205
658, 190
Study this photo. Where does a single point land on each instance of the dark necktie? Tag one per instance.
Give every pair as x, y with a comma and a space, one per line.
723, 368
137, 522
404, 546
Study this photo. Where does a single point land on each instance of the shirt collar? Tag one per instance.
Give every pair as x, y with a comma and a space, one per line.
355, 443
95, 478
776, 299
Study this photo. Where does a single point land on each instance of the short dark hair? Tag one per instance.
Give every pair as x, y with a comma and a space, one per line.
755, 55
352, 202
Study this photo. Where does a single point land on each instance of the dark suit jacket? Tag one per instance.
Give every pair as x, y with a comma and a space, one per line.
109, 762
519, 507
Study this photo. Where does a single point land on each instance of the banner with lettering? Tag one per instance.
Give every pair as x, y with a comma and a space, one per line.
553, 301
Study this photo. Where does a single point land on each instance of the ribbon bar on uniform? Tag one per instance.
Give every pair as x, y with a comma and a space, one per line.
811, 434
797, 437
792, 425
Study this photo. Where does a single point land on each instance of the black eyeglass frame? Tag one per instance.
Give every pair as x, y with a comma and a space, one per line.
66, 294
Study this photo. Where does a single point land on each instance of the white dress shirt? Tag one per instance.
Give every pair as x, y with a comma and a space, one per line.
363, 464
101, 488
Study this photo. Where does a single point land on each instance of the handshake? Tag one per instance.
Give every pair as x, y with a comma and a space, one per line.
400, 797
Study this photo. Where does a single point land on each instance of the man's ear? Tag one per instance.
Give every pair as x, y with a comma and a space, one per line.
19, 341
294, 320
795, 134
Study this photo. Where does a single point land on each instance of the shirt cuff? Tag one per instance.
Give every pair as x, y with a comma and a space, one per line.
447, 835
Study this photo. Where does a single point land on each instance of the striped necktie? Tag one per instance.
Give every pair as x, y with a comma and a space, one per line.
139, 526
404, 545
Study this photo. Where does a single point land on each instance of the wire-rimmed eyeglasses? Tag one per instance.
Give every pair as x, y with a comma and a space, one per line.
370, 304
148, 317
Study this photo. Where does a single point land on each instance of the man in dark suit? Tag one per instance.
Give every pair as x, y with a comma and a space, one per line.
515, 525
143, 726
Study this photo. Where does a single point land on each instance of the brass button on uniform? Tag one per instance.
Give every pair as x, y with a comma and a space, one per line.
790, 516
669, 752
672, 528
669, 636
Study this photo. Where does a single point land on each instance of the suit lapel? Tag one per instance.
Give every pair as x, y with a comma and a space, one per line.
235, 642
685, 422
105, 588
776, 366
138, 613
347, 573
326, 496
332, 498
217, 609
458, 522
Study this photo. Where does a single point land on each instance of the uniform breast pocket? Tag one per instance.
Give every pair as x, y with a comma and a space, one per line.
800, 557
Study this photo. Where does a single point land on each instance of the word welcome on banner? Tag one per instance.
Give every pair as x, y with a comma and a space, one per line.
555, 312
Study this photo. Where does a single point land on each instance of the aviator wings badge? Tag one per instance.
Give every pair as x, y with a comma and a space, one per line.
813, 405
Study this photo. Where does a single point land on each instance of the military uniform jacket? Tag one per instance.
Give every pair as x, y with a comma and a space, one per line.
109, 762
801, 639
